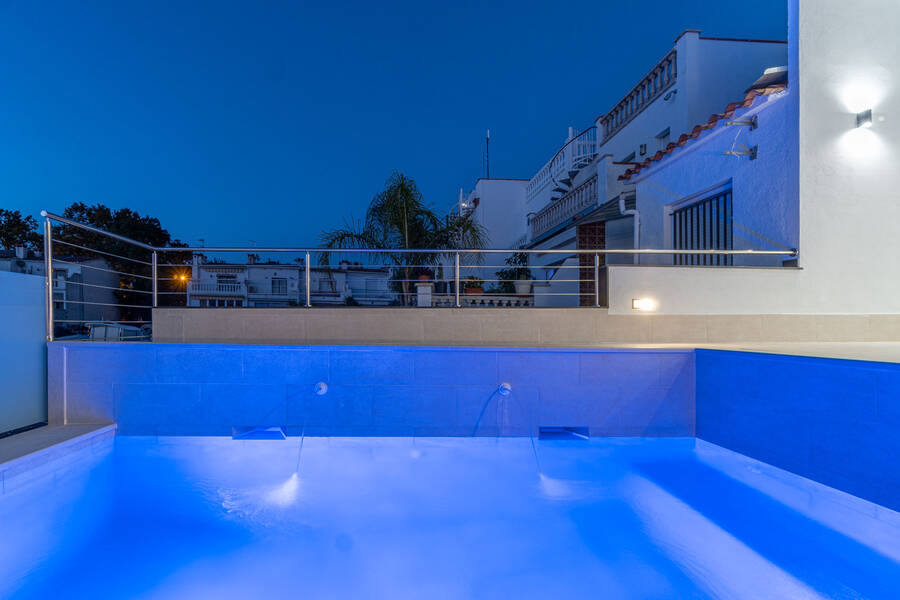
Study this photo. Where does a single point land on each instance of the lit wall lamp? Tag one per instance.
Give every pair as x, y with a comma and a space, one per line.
864, 118
643, 304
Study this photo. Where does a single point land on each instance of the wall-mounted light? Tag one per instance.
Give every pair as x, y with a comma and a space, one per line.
644, 304
864, 118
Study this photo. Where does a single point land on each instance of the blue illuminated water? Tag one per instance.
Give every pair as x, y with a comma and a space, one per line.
438, 518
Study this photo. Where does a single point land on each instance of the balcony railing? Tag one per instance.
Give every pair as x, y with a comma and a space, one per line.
575, 154
658, 80
151, 276
563, 210
216, 288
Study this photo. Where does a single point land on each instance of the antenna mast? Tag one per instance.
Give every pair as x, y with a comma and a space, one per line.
487, 155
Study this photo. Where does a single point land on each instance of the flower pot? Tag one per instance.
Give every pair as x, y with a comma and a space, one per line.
523, 287
474, 291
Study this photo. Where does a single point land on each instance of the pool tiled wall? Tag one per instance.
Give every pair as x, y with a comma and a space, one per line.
833, 421
186, 389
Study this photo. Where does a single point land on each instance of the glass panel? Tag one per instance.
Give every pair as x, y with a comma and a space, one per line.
23, 354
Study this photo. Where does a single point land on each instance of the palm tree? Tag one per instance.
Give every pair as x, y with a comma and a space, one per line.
398, 218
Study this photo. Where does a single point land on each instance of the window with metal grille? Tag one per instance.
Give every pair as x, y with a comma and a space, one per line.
704, 225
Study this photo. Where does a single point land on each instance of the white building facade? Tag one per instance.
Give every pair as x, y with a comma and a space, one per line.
839, 179
272, 285
576, 200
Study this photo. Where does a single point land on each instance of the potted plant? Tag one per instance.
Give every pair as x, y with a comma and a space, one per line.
517, 277
423, 274
473, 286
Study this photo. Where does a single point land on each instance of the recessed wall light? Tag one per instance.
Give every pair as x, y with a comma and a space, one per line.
644, 304
864, 118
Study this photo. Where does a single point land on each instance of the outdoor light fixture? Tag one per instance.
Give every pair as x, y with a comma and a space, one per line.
644, 304
864, 118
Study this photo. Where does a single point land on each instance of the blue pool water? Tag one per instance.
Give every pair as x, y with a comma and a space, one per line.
438, 518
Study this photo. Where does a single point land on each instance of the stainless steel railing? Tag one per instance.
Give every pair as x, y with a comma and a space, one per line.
128, 278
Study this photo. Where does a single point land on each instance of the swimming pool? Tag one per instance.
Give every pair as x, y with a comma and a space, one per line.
407, 517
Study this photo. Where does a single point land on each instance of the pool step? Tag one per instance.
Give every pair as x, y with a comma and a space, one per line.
258, 433
564, 433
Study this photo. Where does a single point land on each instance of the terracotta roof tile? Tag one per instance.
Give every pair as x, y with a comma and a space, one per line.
699, 129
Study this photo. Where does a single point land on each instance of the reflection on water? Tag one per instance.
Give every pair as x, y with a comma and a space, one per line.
436, 518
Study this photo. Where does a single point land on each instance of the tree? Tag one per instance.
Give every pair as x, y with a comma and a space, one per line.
398, 218
16, 230
132, 263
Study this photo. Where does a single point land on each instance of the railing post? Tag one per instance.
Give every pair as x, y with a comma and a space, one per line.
48, 268
308, 279
153, 266
597, 281
456, 279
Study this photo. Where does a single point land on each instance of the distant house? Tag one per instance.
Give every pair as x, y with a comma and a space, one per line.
258, 284
83, 288
577, 199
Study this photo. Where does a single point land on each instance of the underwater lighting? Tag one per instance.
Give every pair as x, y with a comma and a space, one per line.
321, 388
644, 304
864, 118
505, 389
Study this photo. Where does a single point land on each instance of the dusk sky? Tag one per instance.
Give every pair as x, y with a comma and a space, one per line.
271, 121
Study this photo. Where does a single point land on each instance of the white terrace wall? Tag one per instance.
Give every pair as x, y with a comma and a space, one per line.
842, 59
23, 356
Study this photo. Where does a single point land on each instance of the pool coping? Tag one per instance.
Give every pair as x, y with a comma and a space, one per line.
28, 452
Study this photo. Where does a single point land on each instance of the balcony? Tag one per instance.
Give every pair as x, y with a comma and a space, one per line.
576, 154
658, 80
580, 200
217, 288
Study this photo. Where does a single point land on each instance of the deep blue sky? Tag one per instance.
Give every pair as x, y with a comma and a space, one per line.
271, 121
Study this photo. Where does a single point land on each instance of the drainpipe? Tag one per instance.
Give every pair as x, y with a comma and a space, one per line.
637, 225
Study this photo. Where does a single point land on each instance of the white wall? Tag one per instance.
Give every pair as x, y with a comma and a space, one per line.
765, 206
711, 74
501, 209
23, 356
842, 59
723, 69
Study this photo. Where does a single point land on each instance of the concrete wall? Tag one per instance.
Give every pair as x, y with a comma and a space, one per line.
23, 374
842, 59
509, 327
178, 389
834, 421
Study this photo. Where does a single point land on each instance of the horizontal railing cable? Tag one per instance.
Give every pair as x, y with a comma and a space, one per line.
99, 321
143, 262
68, 301
84, 266
107, 287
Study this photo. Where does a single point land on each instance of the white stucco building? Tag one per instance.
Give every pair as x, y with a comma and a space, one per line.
498, 205
258, 284
725, 185
576, 200
820, 181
